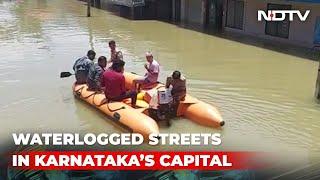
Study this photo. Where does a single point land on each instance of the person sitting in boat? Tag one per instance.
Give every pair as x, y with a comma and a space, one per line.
82, 65
177, 82
95, 74
114, 82
151, 77
114, 54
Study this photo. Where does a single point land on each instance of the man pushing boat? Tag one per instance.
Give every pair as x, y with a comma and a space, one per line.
114, 54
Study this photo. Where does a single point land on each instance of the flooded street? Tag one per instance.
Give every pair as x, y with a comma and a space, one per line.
266, 97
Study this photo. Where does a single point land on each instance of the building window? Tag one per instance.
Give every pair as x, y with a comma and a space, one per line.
235, 10
278, 28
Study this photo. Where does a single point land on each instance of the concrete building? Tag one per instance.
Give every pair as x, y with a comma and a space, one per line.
191, 11
204, 13
241, 17
141, 9
235, 16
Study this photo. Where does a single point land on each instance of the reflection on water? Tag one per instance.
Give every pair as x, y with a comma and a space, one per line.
265, 97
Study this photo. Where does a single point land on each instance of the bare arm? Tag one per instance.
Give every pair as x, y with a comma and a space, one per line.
168, 82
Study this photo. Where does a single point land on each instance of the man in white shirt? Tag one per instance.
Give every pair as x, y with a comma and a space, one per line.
152, 74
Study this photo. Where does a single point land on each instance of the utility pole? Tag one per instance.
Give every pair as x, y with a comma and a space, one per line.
88, 8
318, 84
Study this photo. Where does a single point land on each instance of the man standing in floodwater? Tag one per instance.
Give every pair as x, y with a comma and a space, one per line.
151, 77
82, 65
114, 54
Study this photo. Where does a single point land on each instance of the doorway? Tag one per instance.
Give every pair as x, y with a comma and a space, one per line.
278, 28
214, 14
164, 10
177, 11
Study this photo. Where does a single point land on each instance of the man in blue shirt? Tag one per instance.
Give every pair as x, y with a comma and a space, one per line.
81, 67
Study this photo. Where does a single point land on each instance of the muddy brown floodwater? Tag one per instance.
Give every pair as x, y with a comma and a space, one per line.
265, 97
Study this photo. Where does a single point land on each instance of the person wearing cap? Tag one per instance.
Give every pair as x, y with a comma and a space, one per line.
95, 74
114, 82
178, 84
81, 67
152, 74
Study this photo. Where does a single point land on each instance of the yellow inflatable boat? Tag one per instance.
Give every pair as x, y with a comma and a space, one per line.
138, 119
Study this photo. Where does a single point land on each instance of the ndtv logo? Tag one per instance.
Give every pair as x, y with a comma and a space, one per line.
280, 15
